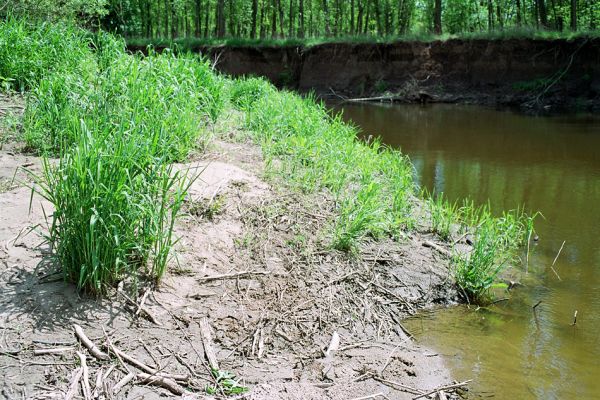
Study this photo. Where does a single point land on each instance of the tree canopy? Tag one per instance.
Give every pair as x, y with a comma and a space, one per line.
262, 19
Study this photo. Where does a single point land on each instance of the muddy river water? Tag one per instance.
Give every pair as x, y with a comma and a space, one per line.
549, 164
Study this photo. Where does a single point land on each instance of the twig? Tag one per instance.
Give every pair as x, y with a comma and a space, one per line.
453, 386
87, 392
58, 350
397, 385
438, 248
74, 384
207, 343
371, 396
574, 319
142, 301
93, 349
144, 367
161, 381
556, 258
123, 382
235, 275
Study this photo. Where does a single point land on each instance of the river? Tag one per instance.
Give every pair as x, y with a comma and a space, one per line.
547, 164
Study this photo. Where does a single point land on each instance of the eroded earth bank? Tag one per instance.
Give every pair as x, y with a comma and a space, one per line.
536, 75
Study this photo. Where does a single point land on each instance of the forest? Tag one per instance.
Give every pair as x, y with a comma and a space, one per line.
281, 19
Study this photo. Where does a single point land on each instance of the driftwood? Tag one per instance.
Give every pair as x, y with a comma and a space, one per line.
74, 384
136, 363
437, 248
207, 343
443, 388
93, 349
235, 275
87, 391
161, 381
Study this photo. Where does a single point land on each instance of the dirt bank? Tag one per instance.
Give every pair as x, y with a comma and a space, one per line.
253, 262
524, 73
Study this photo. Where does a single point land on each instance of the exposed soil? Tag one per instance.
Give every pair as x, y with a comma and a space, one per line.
271, 325
533, 75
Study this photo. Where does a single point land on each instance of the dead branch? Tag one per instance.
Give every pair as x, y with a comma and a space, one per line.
74, 384
87, 392
58, 350
235, 275
163, 382
207, 342
437, 248
93, 349
447, 387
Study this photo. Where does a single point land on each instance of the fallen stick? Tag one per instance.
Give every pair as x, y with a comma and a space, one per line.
74, 384
437, 248
235, 275
58, 350
448, 387
93, 349
87, 391
142, 301
397, 385
574, 319
207, 343
126, 379
144, 367
98, 385
163, 382
371, 396
556, 258
149, 316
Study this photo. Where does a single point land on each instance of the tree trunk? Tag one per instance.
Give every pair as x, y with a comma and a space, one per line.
437, 17
378, 16
519, 22
220, 19
291, 20
301, 17
254, 15
573, 15
542, 12
352, 17
359, 18
281, 14
490, 15
326, 17
166, 31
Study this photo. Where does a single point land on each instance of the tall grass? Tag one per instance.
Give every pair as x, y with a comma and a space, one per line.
114, 208
32, 51
168, 97
116, 122
370, 183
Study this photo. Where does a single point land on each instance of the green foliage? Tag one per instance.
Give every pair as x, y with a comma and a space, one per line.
83, 10
115, 205
165, 95
245, 92
225, 384
442, 213
371, 184
30, 52
117, 122
495, 244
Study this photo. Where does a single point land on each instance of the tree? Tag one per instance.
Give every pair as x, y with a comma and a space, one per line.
573, 15
437, 17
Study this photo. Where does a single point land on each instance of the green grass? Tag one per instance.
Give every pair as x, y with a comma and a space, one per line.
370, 183
116, 123
32, 51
